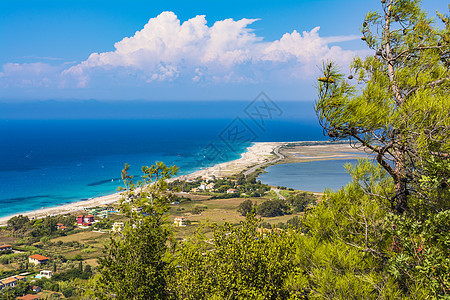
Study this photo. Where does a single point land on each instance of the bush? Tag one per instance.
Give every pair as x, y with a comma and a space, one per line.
273, 208
198, 210
245, 207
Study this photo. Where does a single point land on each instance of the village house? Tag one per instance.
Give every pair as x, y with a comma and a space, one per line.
36, 288
85, 220
210, 186
60, 226
231, 191
11, 281
5, 248
202, 186
38, 259
179, 221
208, 178
45, 273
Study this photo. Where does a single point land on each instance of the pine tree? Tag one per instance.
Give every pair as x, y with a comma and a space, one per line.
135, 264
399, 108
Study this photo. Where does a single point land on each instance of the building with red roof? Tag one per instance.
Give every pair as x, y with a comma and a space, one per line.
38, 259
5, 247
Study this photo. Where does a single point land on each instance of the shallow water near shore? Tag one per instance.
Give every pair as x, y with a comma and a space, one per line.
49, 163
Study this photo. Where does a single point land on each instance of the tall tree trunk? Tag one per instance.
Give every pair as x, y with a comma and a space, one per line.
400, 181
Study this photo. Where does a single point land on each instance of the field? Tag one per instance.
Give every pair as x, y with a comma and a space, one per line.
218, 211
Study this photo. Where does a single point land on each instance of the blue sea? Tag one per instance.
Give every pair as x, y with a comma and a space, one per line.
45, 163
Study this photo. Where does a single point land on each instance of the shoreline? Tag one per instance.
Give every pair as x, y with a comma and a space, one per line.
260, 154
256, 154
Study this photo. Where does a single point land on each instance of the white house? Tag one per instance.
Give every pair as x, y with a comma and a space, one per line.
37, 259
179, 221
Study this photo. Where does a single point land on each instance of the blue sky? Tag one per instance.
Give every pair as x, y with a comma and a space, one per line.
188, 50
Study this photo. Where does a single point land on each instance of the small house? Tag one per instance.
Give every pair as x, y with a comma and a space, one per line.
36, 289
11, 281
45, 273
5, 248
231, 191
60, 226
80, 219
85, 220
38, 259
89, 219
179, 221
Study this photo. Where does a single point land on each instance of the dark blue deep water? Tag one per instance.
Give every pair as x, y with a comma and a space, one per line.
51, 162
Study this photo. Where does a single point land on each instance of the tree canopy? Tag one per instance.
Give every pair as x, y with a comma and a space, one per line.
399, 107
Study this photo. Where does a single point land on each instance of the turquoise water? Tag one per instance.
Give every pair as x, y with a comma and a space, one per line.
48, 163
313, 176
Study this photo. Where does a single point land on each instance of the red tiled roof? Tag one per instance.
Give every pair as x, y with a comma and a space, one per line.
90, 216
80, 216
39, 257
28, 297
59, 224
5, 246
9, 280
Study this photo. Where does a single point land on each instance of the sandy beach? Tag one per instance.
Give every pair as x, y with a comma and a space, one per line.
259, 154
256, 154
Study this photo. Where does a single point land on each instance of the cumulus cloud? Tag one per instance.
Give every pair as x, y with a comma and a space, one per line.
166, 50
228, 51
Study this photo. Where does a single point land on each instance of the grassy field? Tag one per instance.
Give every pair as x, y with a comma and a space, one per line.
89, 245
218, 211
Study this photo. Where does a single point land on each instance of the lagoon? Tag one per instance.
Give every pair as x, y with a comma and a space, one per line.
314, 176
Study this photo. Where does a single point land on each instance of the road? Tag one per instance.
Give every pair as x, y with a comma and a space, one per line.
279, 157
277, 191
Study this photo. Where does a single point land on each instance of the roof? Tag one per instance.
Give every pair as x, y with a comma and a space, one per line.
90, 216
8, 280
59, 224
39, 257
5, 246
28, 297
80, 216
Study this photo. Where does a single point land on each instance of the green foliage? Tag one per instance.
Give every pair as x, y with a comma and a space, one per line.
135, 262
399, 107
245, 207
237, 263
72, 274
272, 208
299, 201
198, 209
18, 222
341, 254
420, 254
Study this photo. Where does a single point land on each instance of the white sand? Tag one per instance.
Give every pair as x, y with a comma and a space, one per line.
256, 154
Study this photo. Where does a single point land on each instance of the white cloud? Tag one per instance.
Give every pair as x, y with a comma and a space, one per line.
228, 51
29, 74
166, 50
